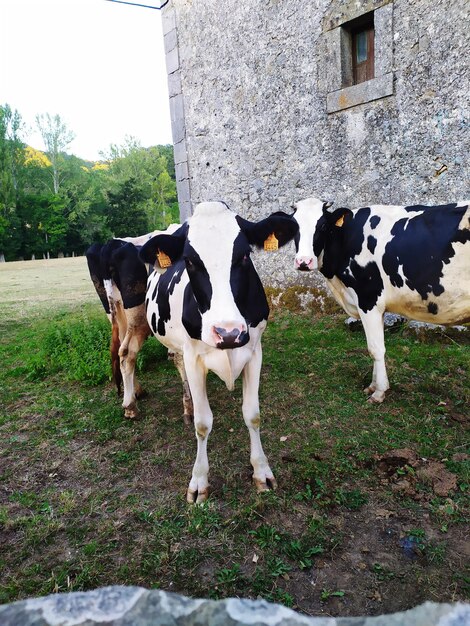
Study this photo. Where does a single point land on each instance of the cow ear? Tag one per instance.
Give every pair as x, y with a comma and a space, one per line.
328, 204
271, 233
162, 250
338, 217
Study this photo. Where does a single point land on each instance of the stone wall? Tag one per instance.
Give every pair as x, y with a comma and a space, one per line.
260, 118
134, 606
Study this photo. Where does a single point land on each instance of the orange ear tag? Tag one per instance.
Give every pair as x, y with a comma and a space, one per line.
271, 243
163, 259
340, 222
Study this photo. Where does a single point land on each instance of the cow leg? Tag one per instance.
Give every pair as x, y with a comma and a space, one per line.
262, 474
198, 489
374, 330
188, 410
137, 332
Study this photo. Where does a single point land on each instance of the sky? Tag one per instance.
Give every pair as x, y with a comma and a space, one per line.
98, 64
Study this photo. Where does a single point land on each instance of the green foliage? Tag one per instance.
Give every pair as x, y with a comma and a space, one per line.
126, 215
326, 594
61, 203
78, 348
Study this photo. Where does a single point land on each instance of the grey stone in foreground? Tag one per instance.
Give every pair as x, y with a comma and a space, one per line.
134, 606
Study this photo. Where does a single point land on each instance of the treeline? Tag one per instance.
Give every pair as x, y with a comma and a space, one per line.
55, 203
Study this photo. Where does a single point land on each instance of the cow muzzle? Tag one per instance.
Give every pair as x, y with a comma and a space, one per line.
304, 264
229, 337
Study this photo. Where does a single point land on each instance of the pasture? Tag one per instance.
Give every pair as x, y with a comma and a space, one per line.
371, 513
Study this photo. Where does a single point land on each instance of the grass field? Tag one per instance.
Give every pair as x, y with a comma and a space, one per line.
371, 511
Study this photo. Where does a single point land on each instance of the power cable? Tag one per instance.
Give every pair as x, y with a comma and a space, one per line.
145, 6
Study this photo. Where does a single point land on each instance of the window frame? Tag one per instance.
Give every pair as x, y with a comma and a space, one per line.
339, 85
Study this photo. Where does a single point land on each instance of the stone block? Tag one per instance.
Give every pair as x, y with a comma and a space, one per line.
360, 94
172, 61
170, 40
181, 170
122, 606
168, 19
184, 192
180, 152
174, 84
342, 11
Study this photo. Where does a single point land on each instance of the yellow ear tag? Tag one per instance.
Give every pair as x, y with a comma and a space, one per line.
340, 222
271, 243
163, 259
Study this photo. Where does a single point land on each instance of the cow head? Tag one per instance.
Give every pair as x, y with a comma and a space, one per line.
307, 213
214, 247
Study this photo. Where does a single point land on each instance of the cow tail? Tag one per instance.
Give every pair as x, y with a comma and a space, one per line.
115, 361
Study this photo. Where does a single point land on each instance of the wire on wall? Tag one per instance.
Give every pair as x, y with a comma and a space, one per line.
145, 6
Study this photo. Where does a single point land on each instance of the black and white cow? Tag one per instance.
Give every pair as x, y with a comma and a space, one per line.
210, 307
120, 280
410, 260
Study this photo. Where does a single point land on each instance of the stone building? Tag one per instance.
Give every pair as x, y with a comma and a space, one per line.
360, 101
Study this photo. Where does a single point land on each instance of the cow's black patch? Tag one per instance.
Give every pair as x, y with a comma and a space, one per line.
93, 257
198, 277
371, 243
366, 282
374, 221
421, 245
192, 318
107, 269
246, 285
433, 308
339, 244
161, 295
130, 274
154, 323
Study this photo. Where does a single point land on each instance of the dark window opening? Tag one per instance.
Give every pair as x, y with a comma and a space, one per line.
363, 54
358, 50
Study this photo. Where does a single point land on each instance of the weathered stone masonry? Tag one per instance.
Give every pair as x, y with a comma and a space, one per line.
260, 117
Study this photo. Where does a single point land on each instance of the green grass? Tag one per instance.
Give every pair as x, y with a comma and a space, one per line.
88, 498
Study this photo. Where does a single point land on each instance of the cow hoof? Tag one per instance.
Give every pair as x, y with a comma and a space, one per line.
265, 485
131, 412
197, 496
188, 419
368, 390
377, 397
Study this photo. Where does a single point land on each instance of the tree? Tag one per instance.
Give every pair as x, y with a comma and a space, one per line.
43, 226
56, 137
11, 159
126, 213
152, 169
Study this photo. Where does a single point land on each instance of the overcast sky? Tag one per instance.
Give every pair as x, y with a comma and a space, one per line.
98, 64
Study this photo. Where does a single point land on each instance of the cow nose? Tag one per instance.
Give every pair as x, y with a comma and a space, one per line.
304, 264
230, 338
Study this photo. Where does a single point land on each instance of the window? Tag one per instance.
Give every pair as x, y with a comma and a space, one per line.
358, 45
363, 54
358, 50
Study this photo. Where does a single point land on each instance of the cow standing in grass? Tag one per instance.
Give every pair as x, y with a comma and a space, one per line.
410, 260
210, 308
120, 279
